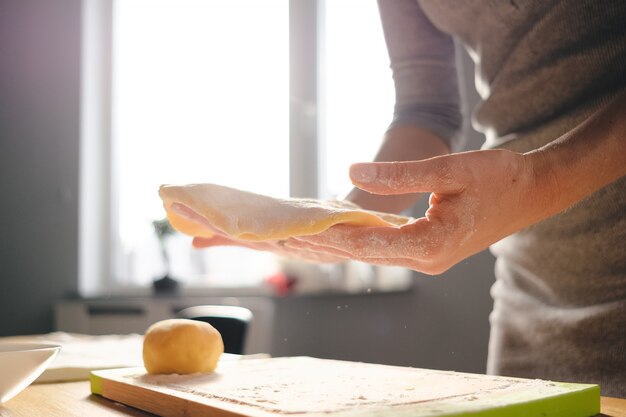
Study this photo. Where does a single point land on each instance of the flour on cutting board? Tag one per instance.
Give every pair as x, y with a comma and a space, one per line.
344, 386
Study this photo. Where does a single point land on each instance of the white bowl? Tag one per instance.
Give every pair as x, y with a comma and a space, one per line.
21, 364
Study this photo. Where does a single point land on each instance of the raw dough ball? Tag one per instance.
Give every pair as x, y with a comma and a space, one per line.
181, 346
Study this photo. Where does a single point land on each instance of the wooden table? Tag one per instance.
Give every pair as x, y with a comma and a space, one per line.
63, 399
74, 399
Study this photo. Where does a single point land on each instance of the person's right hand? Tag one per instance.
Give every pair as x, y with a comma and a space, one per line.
476, 199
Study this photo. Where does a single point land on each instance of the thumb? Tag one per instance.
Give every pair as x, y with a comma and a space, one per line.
429, 175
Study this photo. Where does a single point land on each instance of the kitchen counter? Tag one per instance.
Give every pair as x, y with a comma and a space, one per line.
84, 353
68, 399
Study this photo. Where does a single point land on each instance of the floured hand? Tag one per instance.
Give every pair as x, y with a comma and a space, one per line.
221, 216
477, 198
287, 247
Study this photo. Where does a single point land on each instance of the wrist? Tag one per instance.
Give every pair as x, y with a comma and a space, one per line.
543, 183
582, 161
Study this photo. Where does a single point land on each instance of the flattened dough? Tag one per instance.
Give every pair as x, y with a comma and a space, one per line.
197, 208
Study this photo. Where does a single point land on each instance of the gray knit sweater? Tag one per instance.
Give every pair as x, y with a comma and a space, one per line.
542, 67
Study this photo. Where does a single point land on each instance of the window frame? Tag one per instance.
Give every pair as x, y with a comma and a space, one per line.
95, 232
97, 197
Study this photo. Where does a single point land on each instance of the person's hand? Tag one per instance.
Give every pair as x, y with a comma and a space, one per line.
399, 142
278, 247
477, 198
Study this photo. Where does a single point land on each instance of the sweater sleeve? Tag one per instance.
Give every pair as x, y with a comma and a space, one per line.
424, 71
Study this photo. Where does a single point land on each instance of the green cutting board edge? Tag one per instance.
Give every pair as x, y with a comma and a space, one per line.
576, 400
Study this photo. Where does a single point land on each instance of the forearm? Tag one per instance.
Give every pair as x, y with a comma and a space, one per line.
581, 162
423, 62
401, 143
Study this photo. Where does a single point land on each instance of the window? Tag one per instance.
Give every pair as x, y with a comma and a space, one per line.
199, 91
200, 94
357, 95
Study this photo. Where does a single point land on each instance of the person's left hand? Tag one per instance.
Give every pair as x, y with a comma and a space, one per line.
287, 248
477, 198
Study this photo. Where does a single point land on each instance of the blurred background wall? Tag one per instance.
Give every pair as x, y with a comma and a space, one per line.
39, 147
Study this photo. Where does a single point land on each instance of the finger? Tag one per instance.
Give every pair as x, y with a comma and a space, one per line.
300, 245
416, 265
317, 257
419, 266
282, 248
419, 240
430, 175
217, 240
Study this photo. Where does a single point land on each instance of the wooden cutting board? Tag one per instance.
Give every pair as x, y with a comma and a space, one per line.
304, 386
